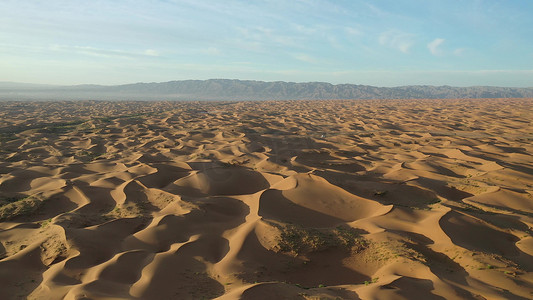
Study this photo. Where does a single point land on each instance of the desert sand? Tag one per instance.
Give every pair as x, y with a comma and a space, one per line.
366, 199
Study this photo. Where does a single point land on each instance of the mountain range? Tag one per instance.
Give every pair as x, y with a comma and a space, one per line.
232, 89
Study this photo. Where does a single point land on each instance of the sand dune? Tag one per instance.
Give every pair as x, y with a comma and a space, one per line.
380, 199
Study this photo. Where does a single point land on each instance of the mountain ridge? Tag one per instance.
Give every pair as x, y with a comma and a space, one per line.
234, 89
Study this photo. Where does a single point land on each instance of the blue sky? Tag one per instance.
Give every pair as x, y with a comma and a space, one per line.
381, 43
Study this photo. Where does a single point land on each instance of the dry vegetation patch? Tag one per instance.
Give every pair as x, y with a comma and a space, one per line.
299, 240
11, 207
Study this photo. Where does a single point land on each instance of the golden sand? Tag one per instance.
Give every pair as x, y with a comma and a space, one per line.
377, 199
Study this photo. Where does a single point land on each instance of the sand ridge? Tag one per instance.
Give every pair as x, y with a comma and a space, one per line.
367, 199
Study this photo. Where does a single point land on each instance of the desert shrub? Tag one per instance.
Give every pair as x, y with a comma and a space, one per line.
88, 156
299, 240
14, 207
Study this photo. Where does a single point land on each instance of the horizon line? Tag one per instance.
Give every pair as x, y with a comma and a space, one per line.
254, 80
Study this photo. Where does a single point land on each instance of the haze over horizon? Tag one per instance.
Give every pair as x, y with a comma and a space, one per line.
378, 43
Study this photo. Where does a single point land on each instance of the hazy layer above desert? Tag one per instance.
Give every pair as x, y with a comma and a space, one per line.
373, 199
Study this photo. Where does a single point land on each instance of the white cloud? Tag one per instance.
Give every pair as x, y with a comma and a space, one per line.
434, 46
396, 39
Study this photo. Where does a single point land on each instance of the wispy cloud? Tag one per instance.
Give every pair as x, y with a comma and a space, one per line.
305, 58
375, 10
91, 51
306, 30
459, 51
434, 45
101, 52
397, 39
266, 36
211, 51
352, 31
151, 52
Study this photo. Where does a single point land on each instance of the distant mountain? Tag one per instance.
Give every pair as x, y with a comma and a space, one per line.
229, 89
18, 85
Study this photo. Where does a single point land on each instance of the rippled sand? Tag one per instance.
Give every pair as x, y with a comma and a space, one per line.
388, 199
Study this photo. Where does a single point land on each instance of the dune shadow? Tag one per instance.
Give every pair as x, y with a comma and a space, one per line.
411, 288
19, 279
382, 190
165, 175
441, 188
273, 205
213, 216
3, 251
309, 271
285, 146
506, 164
21, 182
478, 236
215, 179
273, 290
181, 276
